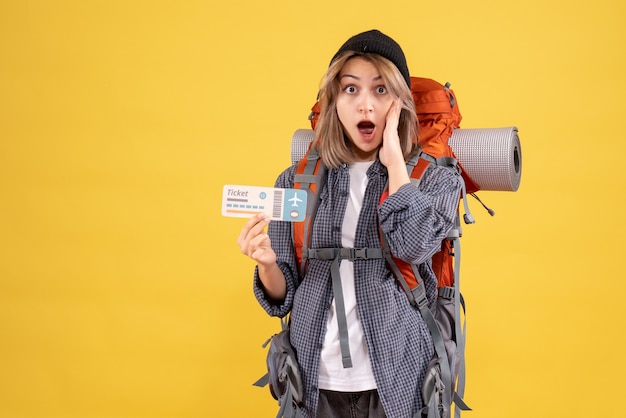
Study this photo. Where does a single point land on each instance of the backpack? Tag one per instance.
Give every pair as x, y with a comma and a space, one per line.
439, 119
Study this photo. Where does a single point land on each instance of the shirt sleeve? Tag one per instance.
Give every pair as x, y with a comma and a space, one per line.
282, 244
416, 219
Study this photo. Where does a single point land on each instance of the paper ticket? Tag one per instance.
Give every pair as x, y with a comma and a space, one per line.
279, 204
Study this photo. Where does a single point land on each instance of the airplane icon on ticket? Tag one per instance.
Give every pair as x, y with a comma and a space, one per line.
294, 200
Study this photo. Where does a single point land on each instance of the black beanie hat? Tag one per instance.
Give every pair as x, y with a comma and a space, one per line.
376, 42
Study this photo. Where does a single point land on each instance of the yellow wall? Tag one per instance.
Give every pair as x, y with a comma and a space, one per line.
122, 291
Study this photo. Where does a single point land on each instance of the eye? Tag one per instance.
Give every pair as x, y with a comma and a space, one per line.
381, 89
351, 89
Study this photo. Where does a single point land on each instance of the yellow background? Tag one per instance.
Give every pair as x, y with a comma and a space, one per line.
122, 290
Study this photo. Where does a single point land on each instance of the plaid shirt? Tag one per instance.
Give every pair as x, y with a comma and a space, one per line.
415, 221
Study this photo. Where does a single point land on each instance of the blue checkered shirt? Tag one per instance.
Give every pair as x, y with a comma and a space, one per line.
415, 221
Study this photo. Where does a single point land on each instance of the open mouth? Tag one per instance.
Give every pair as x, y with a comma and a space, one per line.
366, 127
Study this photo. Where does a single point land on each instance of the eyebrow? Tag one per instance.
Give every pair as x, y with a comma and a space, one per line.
357, 78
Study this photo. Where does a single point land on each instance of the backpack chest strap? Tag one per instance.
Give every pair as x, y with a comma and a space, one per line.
343, 253
336, 255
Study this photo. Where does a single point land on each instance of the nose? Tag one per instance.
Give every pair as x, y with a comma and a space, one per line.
366, 103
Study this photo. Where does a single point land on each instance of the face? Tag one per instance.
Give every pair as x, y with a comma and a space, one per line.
362, 106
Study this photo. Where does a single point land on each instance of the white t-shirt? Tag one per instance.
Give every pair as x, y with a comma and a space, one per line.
332, 374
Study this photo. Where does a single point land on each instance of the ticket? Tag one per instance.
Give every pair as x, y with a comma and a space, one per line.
278, 204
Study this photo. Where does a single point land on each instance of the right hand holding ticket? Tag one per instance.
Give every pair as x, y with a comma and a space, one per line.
254, 241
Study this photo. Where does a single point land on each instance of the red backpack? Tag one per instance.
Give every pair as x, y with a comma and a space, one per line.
438, 114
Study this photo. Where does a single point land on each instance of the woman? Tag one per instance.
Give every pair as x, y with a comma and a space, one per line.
365, 134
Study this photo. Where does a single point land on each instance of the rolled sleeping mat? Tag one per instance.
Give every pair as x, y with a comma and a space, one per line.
492, 157
300, 144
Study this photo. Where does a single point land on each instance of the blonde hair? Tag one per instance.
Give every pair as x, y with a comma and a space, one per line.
330, 140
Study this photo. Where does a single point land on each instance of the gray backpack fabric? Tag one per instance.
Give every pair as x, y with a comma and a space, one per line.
445, 378
283, 374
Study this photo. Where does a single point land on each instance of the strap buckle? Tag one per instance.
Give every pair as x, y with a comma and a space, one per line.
353, 253
446, 292
358, 253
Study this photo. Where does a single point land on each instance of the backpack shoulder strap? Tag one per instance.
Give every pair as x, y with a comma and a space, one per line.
416, 167
409, 278
449, 291
310, 176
